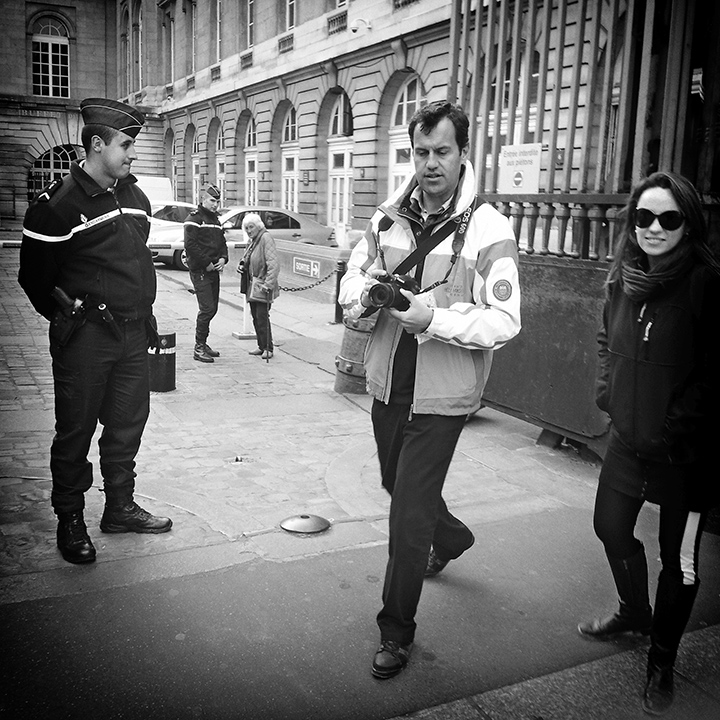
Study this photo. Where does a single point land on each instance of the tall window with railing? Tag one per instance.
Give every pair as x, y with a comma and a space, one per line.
250, 23
289, 14
191, 39
217, 30
50, 59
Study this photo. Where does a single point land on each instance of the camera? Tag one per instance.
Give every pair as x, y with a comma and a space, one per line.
356, 24
386, 292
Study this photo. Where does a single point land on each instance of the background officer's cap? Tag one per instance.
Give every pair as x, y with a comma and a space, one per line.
213, 191
114, 114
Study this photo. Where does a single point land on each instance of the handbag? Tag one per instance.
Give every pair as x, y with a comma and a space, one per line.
257, 291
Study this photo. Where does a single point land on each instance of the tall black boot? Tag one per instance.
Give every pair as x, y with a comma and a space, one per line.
673, 605
122, 514
635, 613
73, 540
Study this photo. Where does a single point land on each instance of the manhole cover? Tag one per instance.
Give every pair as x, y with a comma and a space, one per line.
305, 524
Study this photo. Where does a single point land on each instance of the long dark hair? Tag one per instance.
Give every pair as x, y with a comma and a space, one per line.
695, 239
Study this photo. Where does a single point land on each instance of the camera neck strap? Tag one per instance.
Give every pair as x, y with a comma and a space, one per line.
428, 240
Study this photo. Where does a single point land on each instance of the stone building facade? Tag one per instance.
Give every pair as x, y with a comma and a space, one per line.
299, 103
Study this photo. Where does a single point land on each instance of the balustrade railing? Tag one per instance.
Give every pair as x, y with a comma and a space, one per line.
561, 224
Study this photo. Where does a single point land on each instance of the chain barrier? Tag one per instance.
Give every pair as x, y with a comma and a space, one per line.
309, 287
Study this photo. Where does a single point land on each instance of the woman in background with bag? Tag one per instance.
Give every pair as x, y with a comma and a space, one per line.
260, 269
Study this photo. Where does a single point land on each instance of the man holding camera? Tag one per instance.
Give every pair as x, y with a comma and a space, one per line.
441, 269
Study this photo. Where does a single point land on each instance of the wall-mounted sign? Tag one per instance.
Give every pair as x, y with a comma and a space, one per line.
519, 168
306, 267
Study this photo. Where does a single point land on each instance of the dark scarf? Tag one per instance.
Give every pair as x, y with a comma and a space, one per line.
640, 284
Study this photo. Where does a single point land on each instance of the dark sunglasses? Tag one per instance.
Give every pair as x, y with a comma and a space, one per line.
670, 220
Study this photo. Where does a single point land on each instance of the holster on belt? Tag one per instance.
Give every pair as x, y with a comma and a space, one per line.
66, 319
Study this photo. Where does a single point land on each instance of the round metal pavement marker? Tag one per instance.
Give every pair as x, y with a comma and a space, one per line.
305, 524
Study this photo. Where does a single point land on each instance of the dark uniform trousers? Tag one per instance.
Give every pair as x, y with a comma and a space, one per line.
415, 454
207, 292
98, 377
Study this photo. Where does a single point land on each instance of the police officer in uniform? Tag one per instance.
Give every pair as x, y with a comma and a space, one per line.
85, 266
207, 255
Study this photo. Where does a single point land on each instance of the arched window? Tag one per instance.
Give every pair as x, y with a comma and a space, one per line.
290, 126
408, 102
290, 158
50, 166
50, 58
220, 163
251, 160
340, 164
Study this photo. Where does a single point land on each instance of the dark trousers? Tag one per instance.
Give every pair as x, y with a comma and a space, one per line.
261, 322
98, 378
414, 456
207, 292
679, 537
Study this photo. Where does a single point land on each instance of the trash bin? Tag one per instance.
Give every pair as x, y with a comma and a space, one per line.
162, 364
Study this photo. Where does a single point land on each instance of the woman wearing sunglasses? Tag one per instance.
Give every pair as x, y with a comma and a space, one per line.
658, 382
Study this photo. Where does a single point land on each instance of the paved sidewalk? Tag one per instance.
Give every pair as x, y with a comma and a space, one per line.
229, 616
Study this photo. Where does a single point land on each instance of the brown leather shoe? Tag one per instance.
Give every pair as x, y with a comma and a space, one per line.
390, 659
73, 540
209, 351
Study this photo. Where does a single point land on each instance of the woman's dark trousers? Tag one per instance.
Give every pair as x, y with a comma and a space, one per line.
261, 323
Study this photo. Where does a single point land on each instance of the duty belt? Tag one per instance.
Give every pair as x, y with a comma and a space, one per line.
101, 313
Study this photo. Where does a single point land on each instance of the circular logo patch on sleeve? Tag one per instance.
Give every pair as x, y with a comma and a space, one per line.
502, 290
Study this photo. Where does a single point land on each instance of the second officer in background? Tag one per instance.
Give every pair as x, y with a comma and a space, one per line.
207, 255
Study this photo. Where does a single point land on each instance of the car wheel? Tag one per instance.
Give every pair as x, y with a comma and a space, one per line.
180, 260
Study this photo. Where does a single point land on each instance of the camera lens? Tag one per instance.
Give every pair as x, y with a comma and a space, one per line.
381, 295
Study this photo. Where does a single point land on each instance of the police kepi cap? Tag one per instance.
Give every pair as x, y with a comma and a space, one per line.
213, 191
114, 114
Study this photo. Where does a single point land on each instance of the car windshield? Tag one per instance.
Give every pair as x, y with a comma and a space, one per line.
172, 213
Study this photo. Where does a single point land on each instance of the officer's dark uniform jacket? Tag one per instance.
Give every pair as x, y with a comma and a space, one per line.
91, 243
204, 239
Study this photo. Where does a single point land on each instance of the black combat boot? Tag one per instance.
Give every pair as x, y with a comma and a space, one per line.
122, 514
634, 614
73, 539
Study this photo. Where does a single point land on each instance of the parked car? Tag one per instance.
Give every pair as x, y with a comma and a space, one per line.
166, 229
166, 233
282, 225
